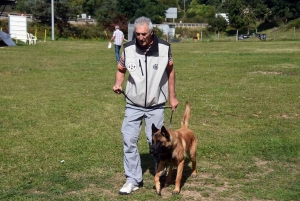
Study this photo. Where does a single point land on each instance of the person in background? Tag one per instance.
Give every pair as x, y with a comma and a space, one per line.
151, 83
118, 38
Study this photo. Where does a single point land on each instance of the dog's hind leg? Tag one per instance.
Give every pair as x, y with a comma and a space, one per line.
192, 155
194, 163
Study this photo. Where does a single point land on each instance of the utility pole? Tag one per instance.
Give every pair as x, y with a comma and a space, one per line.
52, 18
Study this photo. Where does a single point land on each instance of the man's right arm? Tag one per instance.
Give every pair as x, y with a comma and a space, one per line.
120, 75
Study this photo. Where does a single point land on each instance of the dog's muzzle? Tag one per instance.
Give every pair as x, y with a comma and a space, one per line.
155, 148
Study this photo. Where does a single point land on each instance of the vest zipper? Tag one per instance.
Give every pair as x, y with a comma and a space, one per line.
146, 81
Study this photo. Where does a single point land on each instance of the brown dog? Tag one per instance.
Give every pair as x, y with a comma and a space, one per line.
171, 146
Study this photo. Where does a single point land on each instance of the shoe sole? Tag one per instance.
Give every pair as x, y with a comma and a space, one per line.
125, 193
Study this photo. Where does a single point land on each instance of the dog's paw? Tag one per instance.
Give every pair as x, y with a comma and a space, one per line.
175, 192
158, 192
193, 175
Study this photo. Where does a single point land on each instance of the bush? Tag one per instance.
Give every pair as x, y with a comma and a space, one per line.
86, 31
190, 33
158, 32
267, 25
294, 23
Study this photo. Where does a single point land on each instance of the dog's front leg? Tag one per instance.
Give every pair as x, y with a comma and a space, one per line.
178, 177
169, 177
160, 169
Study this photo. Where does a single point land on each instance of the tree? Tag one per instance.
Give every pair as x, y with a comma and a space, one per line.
217, 24
90, 7
169, 3
41, 10
217, 4
201, 11
21, 7
239, 14
261, 11
129, 8
248, 17
184, 4
152, 9
106, 12
77, 6
285, 10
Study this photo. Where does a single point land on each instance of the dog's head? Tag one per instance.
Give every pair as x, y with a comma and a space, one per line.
160, 141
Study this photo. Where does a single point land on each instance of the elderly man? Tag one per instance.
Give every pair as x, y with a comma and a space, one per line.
151, 83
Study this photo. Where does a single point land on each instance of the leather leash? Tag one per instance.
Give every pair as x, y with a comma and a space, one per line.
170, 126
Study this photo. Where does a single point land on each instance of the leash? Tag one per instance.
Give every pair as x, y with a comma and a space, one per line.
170, 126
122, 92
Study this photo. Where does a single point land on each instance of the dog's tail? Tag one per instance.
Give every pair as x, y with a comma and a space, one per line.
186, 116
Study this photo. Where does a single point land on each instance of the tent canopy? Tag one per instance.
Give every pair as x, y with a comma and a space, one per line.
6, 40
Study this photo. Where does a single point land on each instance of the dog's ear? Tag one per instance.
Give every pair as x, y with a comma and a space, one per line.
165, 133
154, 129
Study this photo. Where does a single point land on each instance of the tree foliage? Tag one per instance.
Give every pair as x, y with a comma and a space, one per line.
129, 8
217, 24
200, 10
242, 13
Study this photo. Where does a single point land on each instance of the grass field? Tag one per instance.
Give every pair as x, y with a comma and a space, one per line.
60, 122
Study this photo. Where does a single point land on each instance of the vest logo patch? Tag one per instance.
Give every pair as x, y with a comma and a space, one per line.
155, 66
131, 67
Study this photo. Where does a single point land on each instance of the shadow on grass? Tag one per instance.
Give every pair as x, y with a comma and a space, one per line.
148, 164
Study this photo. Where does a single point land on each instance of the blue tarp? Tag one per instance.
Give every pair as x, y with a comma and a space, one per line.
6, 40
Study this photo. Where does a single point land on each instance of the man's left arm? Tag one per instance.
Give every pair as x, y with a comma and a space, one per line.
171, 85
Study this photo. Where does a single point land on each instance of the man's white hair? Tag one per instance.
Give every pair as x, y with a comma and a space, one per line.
144, 20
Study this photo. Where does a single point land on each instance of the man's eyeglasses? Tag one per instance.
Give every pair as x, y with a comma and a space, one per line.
138, 34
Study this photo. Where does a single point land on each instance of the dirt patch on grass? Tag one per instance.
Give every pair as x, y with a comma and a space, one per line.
266, 72
5, 73
263, 166
285, 116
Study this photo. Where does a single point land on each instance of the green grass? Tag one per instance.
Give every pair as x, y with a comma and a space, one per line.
56, 103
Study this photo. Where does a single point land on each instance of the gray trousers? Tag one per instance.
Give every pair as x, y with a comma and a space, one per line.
131, 128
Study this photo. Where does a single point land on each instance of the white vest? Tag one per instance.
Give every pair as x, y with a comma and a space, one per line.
147, 84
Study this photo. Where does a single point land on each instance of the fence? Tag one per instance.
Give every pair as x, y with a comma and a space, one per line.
270, 35
189, 25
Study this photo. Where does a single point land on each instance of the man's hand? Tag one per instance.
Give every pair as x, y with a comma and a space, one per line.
117, 89
173, 102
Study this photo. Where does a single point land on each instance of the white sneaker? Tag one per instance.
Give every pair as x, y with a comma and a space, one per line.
128, 188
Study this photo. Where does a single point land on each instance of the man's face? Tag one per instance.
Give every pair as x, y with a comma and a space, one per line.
142, 34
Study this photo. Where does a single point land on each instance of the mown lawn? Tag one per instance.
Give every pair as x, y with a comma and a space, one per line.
60, 122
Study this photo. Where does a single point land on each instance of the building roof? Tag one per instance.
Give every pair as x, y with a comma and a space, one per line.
7, 2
